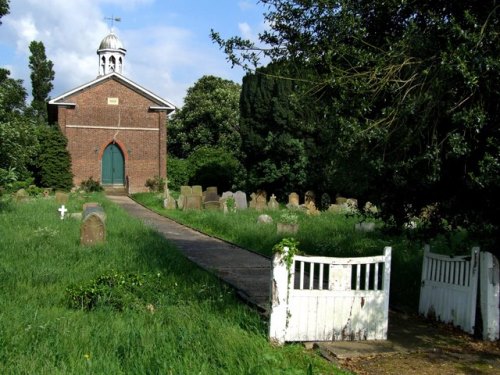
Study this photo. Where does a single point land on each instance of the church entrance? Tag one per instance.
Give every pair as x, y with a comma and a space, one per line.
113, 166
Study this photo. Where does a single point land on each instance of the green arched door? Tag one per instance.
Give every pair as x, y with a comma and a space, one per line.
113, 166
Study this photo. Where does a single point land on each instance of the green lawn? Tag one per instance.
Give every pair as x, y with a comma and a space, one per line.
141, 308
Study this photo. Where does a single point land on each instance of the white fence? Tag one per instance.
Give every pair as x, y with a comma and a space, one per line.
449, 290
329, 299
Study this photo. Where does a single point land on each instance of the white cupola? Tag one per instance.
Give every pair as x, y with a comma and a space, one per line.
111, 55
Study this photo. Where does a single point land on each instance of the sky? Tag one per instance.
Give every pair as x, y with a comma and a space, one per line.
167, 41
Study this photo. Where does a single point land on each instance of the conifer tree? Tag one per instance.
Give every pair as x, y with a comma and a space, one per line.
41, 76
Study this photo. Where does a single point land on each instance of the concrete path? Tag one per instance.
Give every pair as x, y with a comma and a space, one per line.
247, 272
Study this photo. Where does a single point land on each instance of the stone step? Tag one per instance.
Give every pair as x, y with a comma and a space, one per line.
115, 190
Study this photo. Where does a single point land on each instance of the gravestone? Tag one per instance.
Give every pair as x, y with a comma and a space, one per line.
193, 202
180, 201
273, 203
93, 227
311, 208
21, 195
264, 219
197, 190
309, 197
240, 199
227, 194
46, 193
293, 201
211, 199
260, 202
253, 200
169, 203
62, 197
63, 211
186, 190
212, 189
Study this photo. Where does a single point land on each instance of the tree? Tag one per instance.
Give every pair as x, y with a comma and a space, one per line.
407, 97
53, 162
209, 117
4, 8
274, 138
41, 76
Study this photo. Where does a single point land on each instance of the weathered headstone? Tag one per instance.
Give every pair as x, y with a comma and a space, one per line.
365, 226
186, 190
293, 201
197, 190
62, 197
46, 193
264, 219
241, 200
21, 195
253, 200
211, 199
169, 203
309, 197
273, 203
212, 189
181, 201
93, 227
260, 202
193, 202
227, 194
311, 209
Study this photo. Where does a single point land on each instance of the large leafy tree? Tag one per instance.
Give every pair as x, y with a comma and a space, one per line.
275, 141
42, 75
209, 117
408, 97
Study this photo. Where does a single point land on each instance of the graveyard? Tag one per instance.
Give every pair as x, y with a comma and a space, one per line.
130, 304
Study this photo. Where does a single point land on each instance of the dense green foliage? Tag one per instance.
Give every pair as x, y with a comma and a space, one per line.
214, 166
209, 118
204, 139
404, 99
177, 172
53, 163
41, 76
275, 141
165, 316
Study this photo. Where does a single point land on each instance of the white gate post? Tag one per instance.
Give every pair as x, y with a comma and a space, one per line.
489, 295
386, 288
278, 320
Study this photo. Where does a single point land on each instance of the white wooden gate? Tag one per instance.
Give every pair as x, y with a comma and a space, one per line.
449, 288
329, 299
490, 295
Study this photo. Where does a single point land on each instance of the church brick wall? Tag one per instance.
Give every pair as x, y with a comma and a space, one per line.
93, 124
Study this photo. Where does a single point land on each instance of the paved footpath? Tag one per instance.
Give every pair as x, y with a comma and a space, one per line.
247, 272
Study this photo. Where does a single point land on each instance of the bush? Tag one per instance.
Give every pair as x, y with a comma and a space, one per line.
53, 164
156, 184
91, 185
177, 172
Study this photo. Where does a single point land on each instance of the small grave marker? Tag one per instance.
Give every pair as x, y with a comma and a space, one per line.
63, 211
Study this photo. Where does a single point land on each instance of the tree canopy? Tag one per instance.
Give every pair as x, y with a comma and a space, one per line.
209, 117
404, 97
42, 75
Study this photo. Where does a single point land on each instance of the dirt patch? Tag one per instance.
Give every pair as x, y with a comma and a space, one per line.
417, 346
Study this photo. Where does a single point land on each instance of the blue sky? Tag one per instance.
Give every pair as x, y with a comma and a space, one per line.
167, 41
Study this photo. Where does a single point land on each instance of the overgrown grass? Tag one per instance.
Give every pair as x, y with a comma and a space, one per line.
328, 234
171, 317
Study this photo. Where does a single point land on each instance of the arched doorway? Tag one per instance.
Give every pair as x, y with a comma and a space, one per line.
113, 166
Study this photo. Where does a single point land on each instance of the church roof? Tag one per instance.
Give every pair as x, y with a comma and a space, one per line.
161, 104
111, 41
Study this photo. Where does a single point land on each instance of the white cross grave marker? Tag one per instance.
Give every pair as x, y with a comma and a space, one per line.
62, 210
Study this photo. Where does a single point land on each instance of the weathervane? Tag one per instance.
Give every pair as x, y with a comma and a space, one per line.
112, 20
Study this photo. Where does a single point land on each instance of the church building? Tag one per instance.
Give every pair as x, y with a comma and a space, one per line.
116, 129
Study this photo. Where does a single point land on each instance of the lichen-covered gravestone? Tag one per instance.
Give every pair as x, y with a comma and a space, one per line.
62, 197
273, 203
93, 228
293, 201
240, 199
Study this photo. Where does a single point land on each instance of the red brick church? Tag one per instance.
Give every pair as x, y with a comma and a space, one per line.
116, 129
